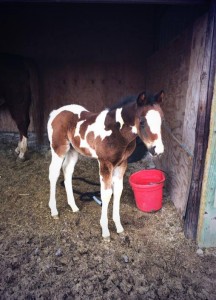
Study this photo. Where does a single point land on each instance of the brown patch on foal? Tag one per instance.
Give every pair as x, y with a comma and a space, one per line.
88, 118
106, 170
63, 123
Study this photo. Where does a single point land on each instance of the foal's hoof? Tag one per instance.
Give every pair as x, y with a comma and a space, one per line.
75, 210
56, 217
106, 239
121, 233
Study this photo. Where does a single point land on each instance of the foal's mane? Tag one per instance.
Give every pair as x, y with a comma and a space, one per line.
150, 100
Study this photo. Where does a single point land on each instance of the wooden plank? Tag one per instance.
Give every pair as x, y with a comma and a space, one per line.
206, 235
202, 128
177, 70
195, 69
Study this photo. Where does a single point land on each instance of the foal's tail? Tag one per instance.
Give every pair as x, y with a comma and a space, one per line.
36, 100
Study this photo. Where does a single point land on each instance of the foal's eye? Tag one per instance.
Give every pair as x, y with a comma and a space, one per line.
142, 122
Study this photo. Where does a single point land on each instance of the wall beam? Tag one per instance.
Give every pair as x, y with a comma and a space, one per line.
202, 127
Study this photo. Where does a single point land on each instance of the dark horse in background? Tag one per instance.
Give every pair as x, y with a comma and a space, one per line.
19, 89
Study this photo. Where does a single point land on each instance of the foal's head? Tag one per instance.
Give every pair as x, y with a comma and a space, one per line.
148, 121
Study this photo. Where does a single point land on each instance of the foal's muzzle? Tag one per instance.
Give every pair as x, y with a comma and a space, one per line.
156, 151
152, 151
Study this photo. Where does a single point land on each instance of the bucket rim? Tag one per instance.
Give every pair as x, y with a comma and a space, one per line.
146, 171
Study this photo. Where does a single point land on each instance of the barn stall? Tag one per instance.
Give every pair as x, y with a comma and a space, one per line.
94, 55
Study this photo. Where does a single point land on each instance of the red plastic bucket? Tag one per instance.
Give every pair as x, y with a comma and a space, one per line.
147, 186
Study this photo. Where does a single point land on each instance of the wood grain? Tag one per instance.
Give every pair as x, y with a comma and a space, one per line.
177, 70
202, 127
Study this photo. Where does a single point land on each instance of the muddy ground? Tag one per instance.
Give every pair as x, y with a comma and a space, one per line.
42, 258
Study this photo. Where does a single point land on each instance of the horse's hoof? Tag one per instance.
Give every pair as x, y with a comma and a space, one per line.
120, 230
20, 159
106, 239
123, 237
56, 217
121, 233
76, 210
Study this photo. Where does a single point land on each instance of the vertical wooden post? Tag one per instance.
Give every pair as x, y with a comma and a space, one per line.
206, 233
202, 126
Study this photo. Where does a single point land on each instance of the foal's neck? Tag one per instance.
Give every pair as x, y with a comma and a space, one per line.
122, 120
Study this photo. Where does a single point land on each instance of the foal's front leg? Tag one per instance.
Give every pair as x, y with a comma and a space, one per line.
117, 192
106, 193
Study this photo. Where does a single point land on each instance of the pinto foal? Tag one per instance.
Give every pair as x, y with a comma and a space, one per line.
108, 136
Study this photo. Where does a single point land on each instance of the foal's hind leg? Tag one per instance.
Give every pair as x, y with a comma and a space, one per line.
68, 168
117, 191
54, 171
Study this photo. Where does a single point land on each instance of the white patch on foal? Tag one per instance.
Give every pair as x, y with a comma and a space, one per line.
119, 117
154, 122
98, 128
134, 129
74, 108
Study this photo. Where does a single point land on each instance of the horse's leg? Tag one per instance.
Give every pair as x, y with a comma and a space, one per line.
106, 193
54, 171
22, 120
117, 191
22, 147
68, 168
23, 125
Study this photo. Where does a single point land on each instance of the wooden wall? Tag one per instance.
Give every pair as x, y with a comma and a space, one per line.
93, 85
88, 54
177, 70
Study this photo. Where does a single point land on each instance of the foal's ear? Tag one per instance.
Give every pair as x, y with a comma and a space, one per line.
141, 99
159, 98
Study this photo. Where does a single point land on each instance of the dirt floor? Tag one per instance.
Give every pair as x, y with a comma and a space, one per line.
42, 258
